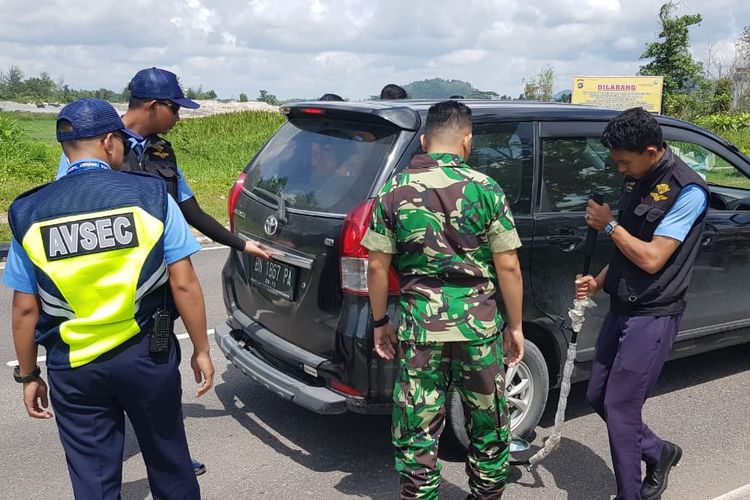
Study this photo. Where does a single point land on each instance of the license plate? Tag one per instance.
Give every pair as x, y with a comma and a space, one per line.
274, 277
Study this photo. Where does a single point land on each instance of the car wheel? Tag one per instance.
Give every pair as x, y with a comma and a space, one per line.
526, 389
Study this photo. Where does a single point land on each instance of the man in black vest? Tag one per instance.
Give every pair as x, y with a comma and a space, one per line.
656, 237
154, 108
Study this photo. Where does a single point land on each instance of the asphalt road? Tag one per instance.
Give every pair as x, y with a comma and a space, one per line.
256, 445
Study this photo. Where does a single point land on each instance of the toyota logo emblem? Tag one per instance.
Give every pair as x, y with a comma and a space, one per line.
271, 225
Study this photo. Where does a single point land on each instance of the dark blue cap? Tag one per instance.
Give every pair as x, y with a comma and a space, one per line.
90, 118
155, 83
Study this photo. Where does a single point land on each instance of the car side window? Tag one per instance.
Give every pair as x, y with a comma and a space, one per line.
574, 169
712, 167
504, 152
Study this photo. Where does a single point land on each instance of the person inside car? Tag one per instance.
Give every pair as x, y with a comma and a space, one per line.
392, 92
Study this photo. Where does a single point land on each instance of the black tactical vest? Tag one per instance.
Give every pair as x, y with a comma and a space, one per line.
158, 159
643, 205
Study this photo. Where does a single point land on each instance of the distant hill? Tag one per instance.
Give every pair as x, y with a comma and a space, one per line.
439, 88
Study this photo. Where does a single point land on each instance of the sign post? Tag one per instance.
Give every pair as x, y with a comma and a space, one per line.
619, 92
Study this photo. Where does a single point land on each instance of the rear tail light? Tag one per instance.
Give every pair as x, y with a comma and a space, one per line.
354, 255
345, 389
313, 111
234, 193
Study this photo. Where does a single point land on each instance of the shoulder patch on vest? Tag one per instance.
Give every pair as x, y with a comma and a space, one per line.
659, 191
89, 236
159, 152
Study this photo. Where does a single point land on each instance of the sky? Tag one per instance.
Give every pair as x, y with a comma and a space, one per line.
304, 48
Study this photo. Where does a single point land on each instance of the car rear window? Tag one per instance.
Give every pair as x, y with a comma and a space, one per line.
321, 165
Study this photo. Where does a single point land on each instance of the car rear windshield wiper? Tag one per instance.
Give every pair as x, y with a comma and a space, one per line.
280, 202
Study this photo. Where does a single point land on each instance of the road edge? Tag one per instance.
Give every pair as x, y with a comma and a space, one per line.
740, 493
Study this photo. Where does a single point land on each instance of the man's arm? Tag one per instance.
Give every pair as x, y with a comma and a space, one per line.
179, 245
212, 228
24, 317
648, 255
188, 298
651, 256
377, 288
510, 282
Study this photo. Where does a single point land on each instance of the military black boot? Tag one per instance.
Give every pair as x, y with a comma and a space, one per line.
657, 474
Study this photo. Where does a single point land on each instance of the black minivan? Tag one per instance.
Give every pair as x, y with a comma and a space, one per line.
300, 325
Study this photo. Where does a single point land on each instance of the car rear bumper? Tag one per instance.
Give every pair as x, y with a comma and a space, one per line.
317, 399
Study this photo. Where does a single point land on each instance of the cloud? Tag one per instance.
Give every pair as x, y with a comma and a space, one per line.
458, 57
303, 48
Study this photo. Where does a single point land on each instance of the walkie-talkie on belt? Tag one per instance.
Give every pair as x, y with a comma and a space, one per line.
160, 335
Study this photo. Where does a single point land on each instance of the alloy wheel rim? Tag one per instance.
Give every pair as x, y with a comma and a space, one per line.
519, 391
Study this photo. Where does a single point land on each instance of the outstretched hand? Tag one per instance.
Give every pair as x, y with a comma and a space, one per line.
258, 250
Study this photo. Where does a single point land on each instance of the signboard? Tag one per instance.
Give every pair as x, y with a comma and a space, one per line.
619, 92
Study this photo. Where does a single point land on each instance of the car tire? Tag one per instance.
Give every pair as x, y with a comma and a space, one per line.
528, 389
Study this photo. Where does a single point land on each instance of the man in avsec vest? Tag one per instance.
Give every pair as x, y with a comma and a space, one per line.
98, 260
656, 236
154, 108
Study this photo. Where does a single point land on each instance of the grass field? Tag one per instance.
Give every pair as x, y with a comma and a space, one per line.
211, 151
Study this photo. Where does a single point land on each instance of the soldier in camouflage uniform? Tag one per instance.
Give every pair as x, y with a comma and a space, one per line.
450, 235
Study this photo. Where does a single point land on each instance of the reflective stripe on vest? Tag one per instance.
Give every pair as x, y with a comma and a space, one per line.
95, 259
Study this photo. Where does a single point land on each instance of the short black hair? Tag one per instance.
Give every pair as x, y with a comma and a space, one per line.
137, 102
447, 115
331, 97
633, 130
392, 92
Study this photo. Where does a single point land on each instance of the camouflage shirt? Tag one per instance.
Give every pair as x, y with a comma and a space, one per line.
443, 221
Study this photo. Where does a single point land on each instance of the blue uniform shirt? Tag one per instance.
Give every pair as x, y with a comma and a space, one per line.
183, 190
179, 243
682, 215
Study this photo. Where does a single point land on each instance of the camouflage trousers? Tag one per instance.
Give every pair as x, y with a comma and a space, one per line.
425, 372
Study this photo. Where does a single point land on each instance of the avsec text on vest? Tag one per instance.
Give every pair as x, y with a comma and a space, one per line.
87, 236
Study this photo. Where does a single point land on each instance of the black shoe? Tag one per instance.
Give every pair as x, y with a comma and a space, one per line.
657, 474
198, 467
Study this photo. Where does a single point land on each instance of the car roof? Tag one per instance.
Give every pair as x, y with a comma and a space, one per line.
408, 113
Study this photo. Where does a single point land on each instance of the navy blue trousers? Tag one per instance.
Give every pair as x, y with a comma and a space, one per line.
90, 404
630, 353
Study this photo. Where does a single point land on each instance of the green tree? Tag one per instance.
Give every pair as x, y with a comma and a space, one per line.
670, 56
268, 98
11, 82
539, 88
741, 73
243, 97
41, 88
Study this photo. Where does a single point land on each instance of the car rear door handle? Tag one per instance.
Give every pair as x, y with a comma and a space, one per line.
708, 238
566, 239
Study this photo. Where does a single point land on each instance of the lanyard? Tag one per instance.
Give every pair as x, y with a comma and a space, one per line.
87, 165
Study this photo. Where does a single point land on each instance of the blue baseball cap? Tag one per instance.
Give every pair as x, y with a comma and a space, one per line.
90, 118
155, 83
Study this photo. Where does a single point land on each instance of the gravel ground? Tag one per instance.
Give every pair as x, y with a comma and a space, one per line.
208, 107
